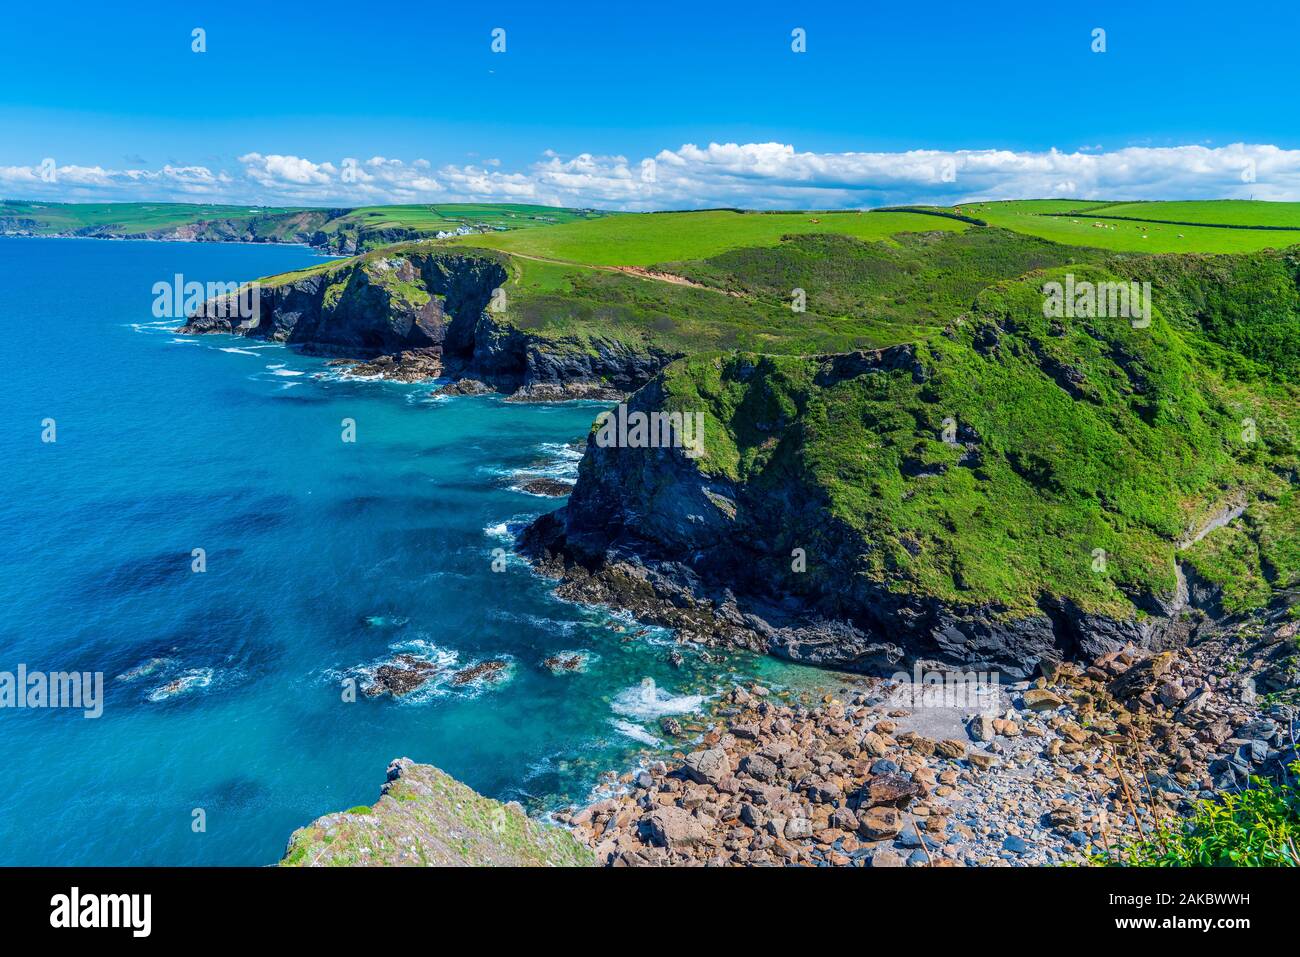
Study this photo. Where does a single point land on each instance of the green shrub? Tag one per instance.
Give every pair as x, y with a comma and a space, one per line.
1258, 827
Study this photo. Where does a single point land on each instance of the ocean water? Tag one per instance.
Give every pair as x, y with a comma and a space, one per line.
223, 690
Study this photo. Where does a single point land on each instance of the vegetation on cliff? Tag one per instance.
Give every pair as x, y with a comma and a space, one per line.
1016, 457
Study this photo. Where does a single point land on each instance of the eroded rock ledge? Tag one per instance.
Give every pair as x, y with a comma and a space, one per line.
721, 604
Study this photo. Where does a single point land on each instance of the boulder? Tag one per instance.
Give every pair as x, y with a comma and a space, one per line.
758, 767
880, 823
673, 828
1040, 699
708, 767
888, 858
981, 728
893, 790
798, 828
950, 748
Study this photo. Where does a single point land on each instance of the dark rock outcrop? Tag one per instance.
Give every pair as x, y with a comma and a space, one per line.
404, 674
463, 387
379, 305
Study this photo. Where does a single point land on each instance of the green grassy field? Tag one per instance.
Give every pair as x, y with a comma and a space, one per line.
1048, 219
871, 279
643, 239
590, 237
1216, 212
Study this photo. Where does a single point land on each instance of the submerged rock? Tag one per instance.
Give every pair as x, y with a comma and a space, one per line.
463, 387
483, 671
401, 676
413, 365
549, 487
565, 663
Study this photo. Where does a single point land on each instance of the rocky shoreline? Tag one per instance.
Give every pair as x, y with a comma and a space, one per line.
1064, 769
1069, 768
713, 606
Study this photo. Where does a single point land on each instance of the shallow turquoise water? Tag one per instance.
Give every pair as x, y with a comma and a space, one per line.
324, 559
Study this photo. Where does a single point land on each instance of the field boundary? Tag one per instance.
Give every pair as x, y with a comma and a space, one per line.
1172, 222
943, 214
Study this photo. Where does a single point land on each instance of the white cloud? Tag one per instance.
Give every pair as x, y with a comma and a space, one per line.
275, 170
757, 175
97, 182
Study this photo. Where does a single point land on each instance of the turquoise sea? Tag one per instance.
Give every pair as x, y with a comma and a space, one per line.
223, 689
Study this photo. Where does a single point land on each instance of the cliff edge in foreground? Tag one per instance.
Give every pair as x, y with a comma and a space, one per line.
426, 818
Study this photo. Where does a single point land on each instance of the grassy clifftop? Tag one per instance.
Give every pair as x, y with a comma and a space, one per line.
1207, 226
1018, 450
850, 293
856, 294
426, 818
642, 239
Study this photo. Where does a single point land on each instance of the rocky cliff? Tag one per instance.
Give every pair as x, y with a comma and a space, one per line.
295, 226
370, 307
419, 311
425, 818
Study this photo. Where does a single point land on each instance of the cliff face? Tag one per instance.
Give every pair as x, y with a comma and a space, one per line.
560, 367
424, 818
432, 310
350, 241
18, 226
374, 306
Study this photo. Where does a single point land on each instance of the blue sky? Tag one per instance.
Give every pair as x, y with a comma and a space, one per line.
115, 89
